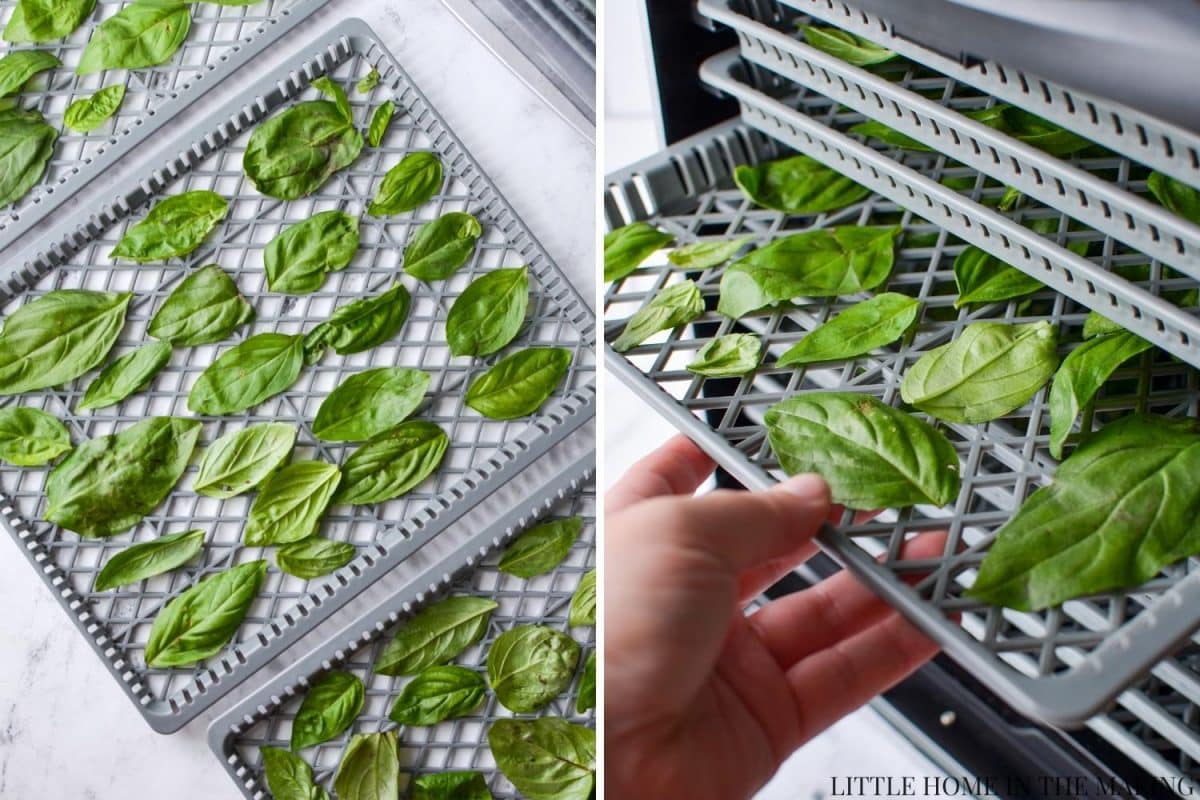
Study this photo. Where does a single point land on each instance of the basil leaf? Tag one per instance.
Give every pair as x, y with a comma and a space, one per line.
20, 65
439, 248
844, 45
290, 503
204, 308
585, 699
288, 776
142, 34
292, 154
362, 324
392, 463
174, 227
147, 559
1042, 134
369, 403
583, 602
983, 278
626, 248
675, 305
58, 337
874, 129
29, 437
46, 20
198, 623
451, 786
247, 374
819, 263
381, 118
411, 183
438, 694
541, 548
88, 113
107, 485
337, 94
728, 356
369, 82
297, 260
329, 707
436, 635
519, 383
872, 455
856, 331
241, 460
990, 370
702, 255
1083, 372
130, 373
370, 768
546, 759
1175, 196
798, 185
26, 144
314, 557
1118, 511
489, 313
530, 665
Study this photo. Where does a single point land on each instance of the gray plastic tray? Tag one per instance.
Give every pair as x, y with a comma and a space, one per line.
264, 719
221, 39
483, 453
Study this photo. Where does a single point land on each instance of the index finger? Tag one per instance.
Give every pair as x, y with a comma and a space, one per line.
677, 467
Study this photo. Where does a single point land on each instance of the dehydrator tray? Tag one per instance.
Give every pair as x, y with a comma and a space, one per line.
483, 453
221, 39
265, 718
1059, 666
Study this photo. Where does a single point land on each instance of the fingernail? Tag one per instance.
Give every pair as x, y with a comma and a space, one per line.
808, 486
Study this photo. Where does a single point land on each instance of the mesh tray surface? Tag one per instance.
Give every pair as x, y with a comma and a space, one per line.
483, 453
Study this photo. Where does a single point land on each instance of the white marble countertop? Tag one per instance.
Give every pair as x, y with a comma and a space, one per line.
66, 728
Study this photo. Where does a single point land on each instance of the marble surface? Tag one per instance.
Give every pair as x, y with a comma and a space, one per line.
66, 729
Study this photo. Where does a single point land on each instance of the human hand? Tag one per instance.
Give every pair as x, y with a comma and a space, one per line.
701, 701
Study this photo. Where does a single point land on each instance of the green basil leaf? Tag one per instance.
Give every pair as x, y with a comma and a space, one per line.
848, 47
174, 227
370, 768
362, 324
530, 665
874, 129
872, 455
991, 369
541, 548
369, 403
297, 260
290, 503
314, 557
147, 559
583, 602
798, 185
292, 154
676, 305
1118, 511
436, 635
702, 255
411, 183
46, 20
489, 313
198, 623
241, 460
392, 463
88, 113
728, 356
819, 263
519, 383
142, 34
546, 759
247, 374
856, 331
438, 694
1175, 196
585, 699
107, 485
381, 118
451, 786
983, 278
1083, 372
369, 82
1042, 134
288, 776
204, 308
29, 437
439, 248
337, 94
58, 337
329, 707
26, 144
20, 65
130, 373
626, 248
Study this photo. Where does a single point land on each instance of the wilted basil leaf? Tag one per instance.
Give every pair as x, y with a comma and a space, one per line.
20, 65
675, 305
362, 324
204, 308
313, 557
626, 248
369, 82
174, 227
393, 463
147, 559
702, 255
288, 776
290, 503
409, 184
297, 260
519, 383
142, 34
583, 602
585, 698
26, 144
438, 694
798, 185
240, 460
541, 548
88, 113
46, 20
728, 356
369, 403
30, 437
436, 635
128, 374
845, 45
856, 331
329, 707
439, 248
530, 665
381, 118
247, 374
451, 786
370, 768
546, 759
489, 313
292, 154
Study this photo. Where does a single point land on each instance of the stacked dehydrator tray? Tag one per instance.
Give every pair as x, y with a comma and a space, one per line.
497, 477
1119, 668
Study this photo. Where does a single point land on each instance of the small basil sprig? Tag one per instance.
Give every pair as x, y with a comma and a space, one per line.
440, 248
392, 463
438, 694
128, 374
174, 227
30, 437
411, 183
242, 459
147, 559
530, 665
329, 707
489, 313
520, 383
541, 548
298, 259
290, 503
436, 635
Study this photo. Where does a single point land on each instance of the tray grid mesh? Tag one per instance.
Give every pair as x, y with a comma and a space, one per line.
573, 20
